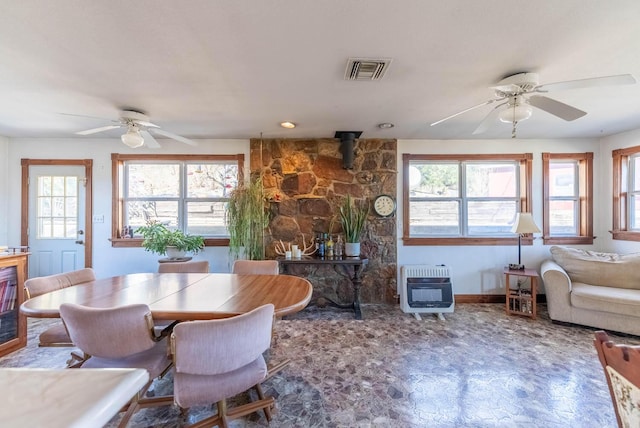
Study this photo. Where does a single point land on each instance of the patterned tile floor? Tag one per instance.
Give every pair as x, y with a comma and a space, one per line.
479, 368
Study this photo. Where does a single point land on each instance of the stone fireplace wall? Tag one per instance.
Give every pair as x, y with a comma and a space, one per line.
305, 183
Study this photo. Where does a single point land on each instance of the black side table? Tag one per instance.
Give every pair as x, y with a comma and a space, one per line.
346, 263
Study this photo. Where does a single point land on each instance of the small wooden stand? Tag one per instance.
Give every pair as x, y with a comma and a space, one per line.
521, 300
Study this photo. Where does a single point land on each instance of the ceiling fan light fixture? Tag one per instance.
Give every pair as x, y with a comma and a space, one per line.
516, 113
288, 125
132, 137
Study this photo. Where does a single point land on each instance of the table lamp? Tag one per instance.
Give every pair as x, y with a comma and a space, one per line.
524, 224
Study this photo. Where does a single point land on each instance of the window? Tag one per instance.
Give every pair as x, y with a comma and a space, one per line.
464, 199
567, 198
187, 192
57, 207
626, 194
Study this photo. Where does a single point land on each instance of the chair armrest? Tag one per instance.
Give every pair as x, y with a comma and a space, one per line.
557, 287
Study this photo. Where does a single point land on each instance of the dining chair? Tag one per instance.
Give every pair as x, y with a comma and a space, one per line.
120, 337
56, 335
621, 364
199, 266
218, 359
255, 267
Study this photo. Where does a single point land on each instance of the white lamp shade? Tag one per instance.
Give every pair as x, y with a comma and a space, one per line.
516, 113
132, 137
524, 224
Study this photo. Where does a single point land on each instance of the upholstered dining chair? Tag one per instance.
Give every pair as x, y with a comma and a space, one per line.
56, 335
199, 266
621, 364
218, 359
255, 267
120, 337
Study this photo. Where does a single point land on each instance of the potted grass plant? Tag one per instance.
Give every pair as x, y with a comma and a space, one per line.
247, 218
159, 239
353, 216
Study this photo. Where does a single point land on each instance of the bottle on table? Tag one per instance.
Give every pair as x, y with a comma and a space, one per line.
338, 247
329, 250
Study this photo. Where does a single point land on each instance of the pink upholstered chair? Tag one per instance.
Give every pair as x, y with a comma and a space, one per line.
120, 337
200, 266
255, 267
218, 359
621, 364
56, 335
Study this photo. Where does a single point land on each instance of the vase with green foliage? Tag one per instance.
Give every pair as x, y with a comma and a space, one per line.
247, 219
159, 239
353, 216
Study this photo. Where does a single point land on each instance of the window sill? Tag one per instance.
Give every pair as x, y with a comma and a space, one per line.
568, 240
625, 235
465, 241
137, 242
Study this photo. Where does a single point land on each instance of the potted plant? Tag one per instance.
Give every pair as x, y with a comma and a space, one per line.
246, 219
159, 239
353, 216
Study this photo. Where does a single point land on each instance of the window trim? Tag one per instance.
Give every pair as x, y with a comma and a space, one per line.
526, 167
117, 170
585, 199
620, 229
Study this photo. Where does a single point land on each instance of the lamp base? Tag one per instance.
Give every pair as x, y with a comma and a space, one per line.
514, 266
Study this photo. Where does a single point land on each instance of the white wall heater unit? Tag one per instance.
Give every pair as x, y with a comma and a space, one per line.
426, 289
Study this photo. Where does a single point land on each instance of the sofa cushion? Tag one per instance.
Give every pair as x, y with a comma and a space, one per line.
606, 299
603, 269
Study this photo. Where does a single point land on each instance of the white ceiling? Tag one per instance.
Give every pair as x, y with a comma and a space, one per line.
236, 68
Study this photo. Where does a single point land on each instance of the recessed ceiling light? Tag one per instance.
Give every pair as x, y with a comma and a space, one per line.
385, 125
288, 125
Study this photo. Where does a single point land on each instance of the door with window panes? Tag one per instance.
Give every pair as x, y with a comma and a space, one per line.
56, 219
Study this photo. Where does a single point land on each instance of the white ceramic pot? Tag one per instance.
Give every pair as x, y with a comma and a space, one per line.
352, 249
174, 253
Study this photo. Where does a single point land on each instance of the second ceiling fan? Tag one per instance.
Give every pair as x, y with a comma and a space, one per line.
517, 94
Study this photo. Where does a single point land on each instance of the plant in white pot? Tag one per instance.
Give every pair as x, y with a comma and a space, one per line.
353, 216
159, 239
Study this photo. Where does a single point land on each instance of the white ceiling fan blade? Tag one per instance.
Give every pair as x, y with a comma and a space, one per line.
488, 120
96, 130
621, 79
464, 111
174, 137
556, 108
145, 123
149, 141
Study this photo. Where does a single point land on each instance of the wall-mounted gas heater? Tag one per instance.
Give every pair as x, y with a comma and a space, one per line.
426, 289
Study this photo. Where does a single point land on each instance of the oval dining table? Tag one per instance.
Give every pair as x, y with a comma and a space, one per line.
181, 296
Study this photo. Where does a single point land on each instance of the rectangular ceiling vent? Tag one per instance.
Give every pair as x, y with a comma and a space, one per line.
366, 68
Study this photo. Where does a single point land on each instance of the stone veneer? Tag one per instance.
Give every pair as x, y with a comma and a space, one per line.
306, 183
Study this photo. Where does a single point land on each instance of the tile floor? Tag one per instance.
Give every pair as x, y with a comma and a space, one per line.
479, 368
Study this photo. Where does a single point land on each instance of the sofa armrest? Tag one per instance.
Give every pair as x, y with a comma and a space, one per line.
557, 286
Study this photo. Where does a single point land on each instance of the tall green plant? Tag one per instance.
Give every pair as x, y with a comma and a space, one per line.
353, 216
246, 220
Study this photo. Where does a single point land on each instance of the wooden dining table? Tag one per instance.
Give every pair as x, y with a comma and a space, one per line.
181, 296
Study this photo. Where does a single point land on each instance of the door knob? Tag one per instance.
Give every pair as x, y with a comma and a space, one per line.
81, 242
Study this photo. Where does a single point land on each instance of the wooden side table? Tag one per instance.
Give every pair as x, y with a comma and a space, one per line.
521, 300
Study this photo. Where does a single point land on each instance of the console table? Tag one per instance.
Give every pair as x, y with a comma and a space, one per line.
346, 263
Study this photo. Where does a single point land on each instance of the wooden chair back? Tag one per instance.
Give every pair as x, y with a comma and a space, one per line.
621, 364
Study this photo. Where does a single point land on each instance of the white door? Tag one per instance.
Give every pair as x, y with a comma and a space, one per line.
56, 219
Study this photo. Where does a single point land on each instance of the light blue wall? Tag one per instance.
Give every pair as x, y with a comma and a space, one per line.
475, 269
109, 261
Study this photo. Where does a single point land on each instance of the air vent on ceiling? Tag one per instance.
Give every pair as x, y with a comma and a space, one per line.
366, 68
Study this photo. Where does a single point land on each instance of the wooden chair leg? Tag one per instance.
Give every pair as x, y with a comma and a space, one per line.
267, 410
222, 413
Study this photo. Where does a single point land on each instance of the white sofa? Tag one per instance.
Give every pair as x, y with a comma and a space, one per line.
595, 289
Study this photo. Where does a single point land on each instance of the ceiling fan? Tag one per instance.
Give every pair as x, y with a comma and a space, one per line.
518, 94
139, 130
